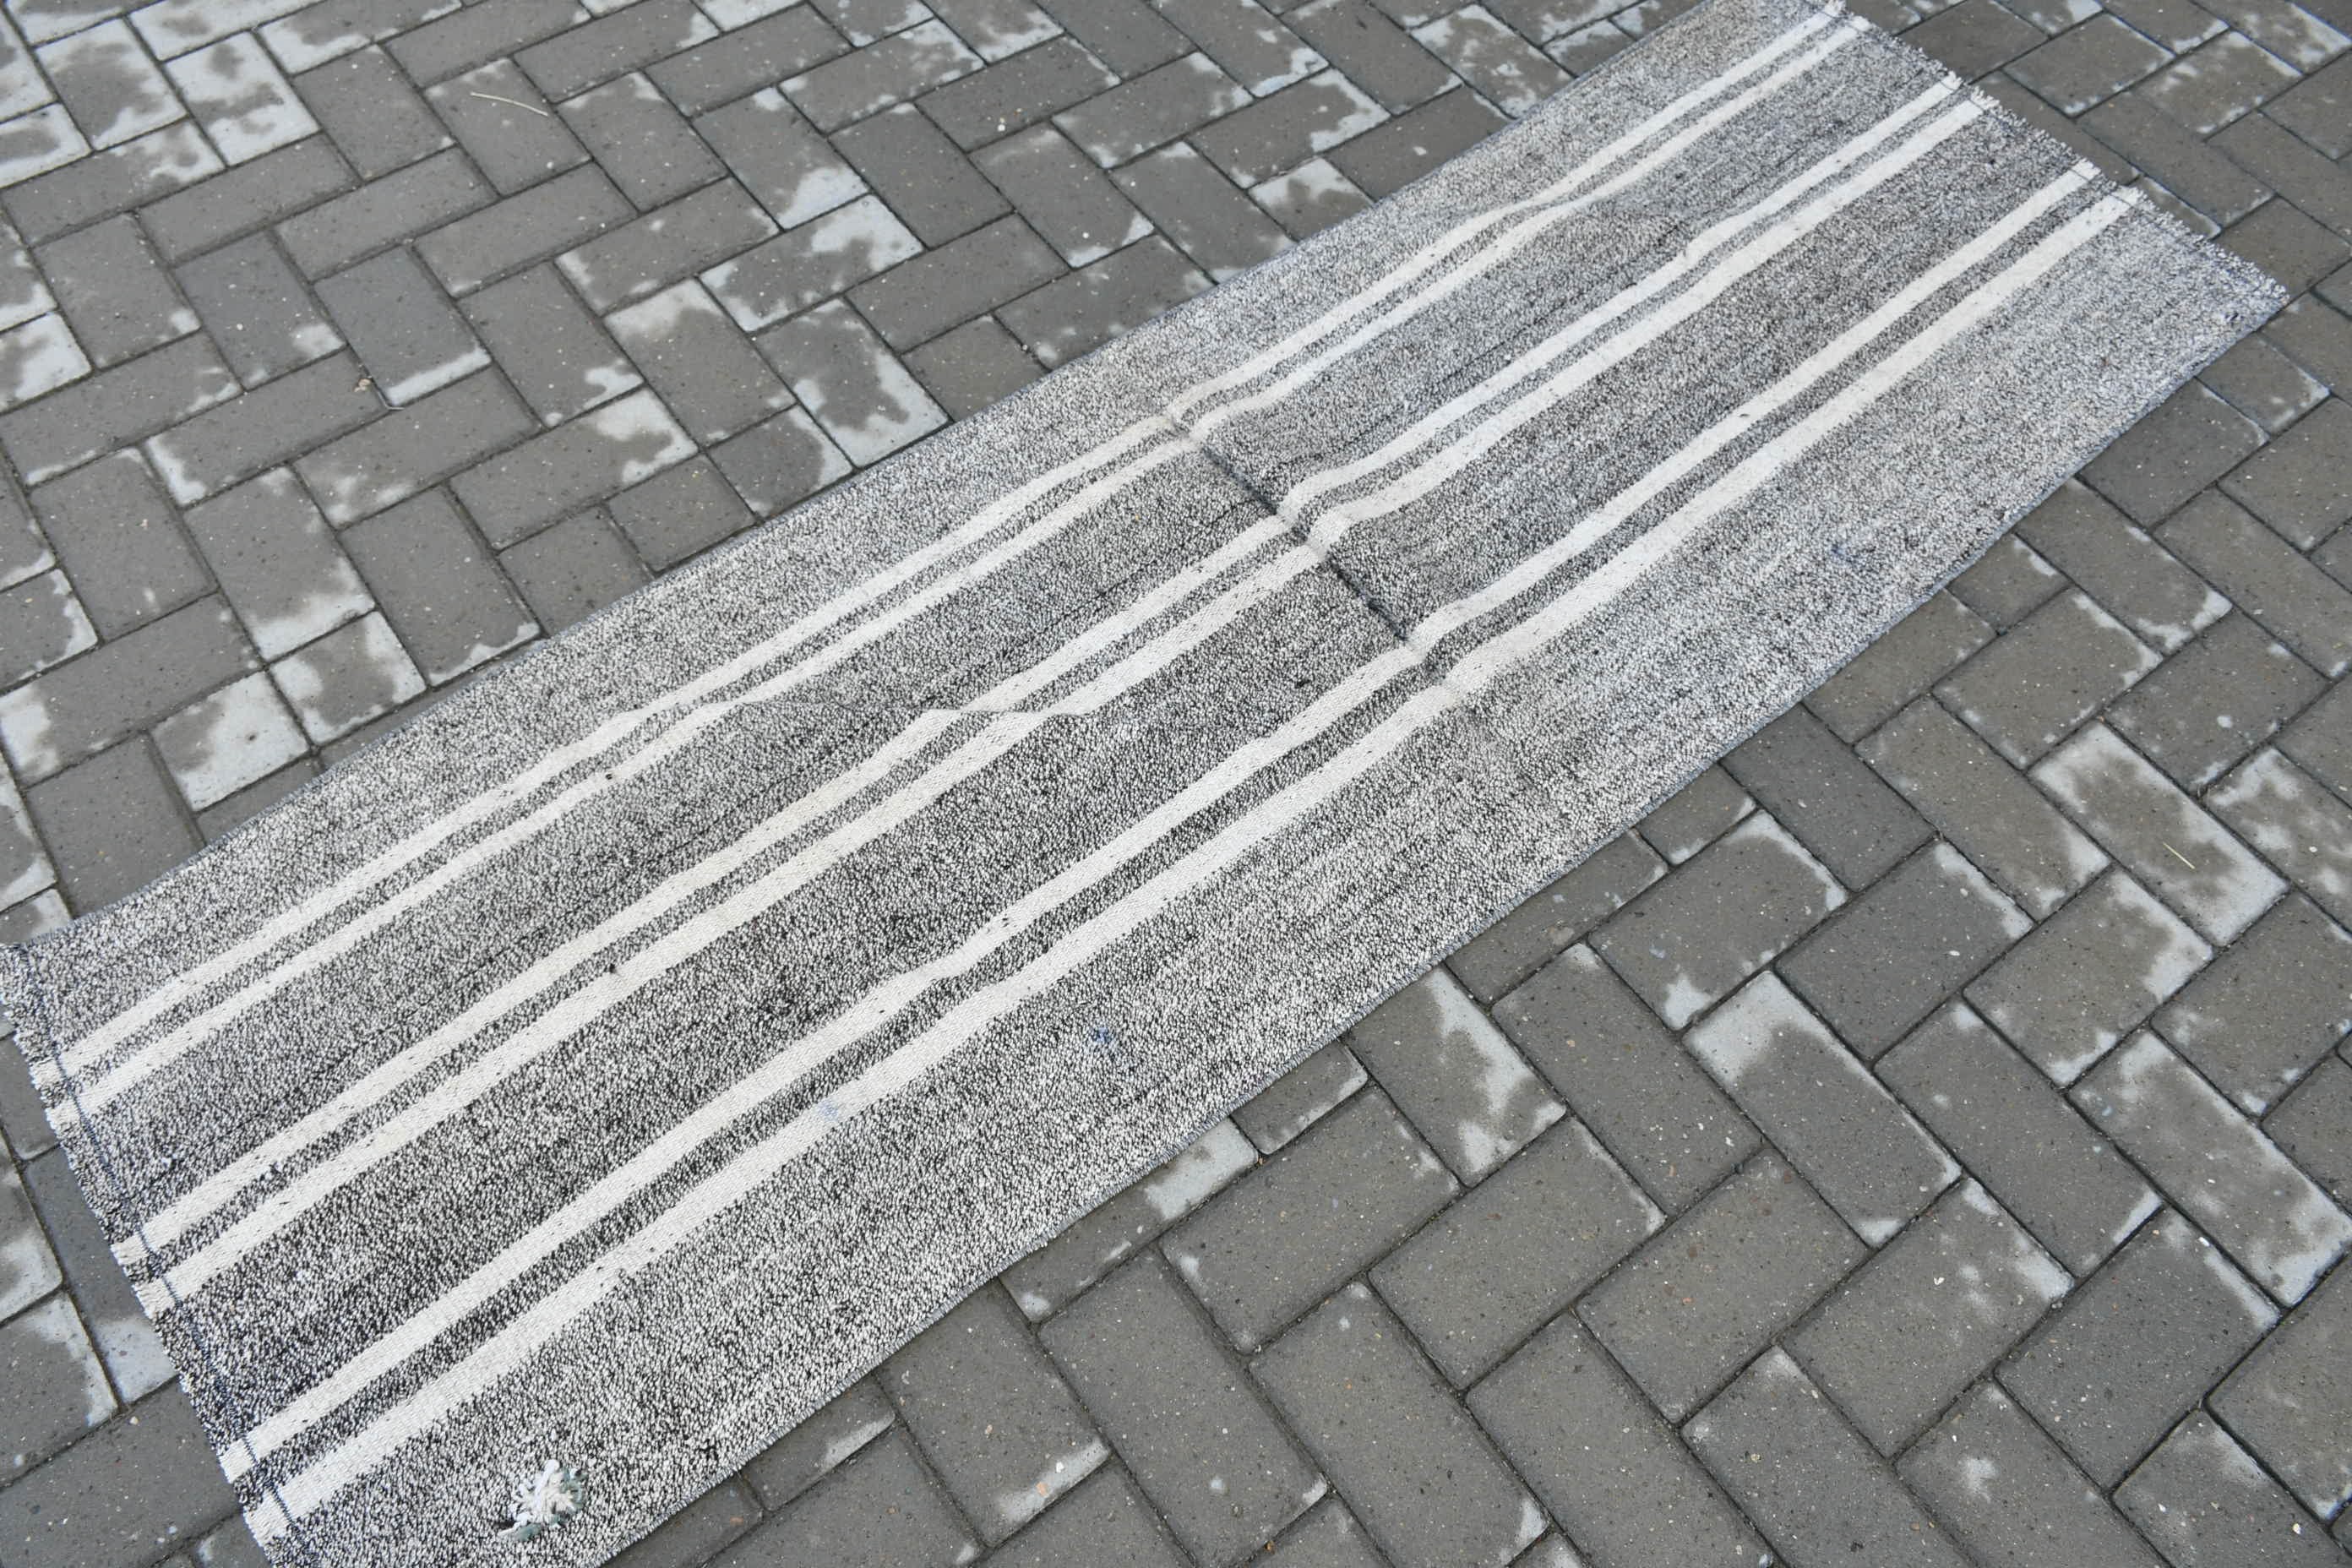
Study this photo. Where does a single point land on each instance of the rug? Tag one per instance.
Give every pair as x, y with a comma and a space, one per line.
539, 1114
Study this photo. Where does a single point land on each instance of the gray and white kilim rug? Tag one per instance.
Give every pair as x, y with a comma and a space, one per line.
612, 1065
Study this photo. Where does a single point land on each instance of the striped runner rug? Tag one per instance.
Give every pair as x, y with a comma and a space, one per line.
582, 1086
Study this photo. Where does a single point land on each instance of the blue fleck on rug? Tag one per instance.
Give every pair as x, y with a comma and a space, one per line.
561, 1099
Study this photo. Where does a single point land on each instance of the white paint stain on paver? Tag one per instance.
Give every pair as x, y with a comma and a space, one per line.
239, 98
20, 850
27, 1270
643, 428
237, 736
851, 1441
53, 1324
2215, 1165
114, 89
35, 144
1824, 1110
2142, 818
1455, 1075
1199, 1174
26, 733
2295, 823
48, 624
38, 357
345, 679
1019, 1506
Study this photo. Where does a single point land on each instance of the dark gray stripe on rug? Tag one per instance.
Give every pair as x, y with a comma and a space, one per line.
621, 1059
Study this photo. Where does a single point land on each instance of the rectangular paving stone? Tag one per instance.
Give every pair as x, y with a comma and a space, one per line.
879, 1509
2010, 1495
2218, 1166
853, 386
1104, 1515
1017, 92
370, 111
2314, 1125
2205, 1501
2320, 742
2122, 567
641, 140
696, 1532
146, 1477
2258, 380
1152, 109
408, 337
253, 305
2169, 1307
997, 29
1487, 1273
1802, 1473
925, 295
2215, 701
241, 99
114, 181
1721, 915
744, 59
119, 542
411, 201
2268, 1008
448, 602
1380, 1425
412, 448
510, 131
2086, 63
2029, 689
88, 703
2052, 1169
2292, 818
479, 33
2191, 440
666, 246
2286, 1402
278, 562
814, 1449
1245, 40
41, 624
680, 511
262, 428
1895, 953
2295, 601
57, 1386
773, 465
706, 372
1181, 1413
1052, 1277
1321, 1211
900, 67
1614, 1475
117, 298
1909, 658
1523, 941
320, 32
1371, 51
1502, 67
112, 824
1280, 133
625, 40
2090, 976
218, 745
2172, 153
1820, 1107
1454, 1075
2166, 838
525, 229
1695, 815
114, 408
793, 171
992, 1414
1714, 1288
2008, 583
975, 365
573, 465
570, 571
36, 1274
1901, 1339
1300, 1097
113, 90
557, 355
2297, 484
926, 181
1127, 35
1974, 799
1628, 1079
1068, 201
1222, 230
